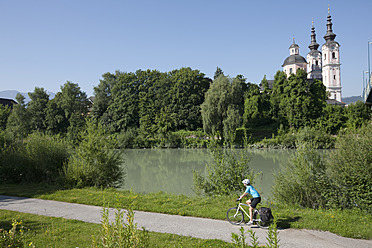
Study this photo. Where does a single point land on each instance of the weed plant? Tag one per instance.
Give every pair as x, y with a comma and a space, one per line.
273, 236
13, 237
119, 233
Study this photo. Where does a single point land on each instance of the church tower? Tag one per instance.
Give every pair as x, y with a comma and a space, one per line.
314, 58
294, 61
331, 63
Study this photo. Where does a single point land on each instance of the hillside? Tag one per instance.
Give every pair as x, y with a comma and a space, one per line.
352, 99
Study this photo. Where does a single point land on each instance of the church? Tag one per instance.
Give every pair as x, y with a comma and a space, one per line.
323, 65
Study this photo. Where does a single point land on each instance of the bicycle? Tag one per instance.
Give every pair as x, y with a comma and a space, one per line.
235, 215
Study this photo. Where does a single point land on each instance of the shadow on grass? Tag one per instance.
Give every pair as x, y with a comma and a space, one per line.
28, 190
286, 223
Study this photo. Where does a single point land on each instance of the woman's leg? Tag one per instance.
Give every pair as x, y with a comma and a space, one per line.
250, 210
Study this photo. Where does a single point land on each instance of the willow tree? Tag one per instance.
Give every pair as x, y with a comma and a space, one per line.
219, 109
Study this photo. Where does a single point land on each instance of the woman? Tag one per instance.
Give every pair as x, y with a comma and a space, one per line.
256, 198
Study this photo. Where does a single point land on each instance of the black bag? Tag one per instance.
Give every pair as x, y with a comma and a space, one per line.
265, 214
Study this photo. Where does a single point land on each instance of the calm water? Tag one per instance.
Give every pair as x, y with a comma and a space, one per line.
170, 170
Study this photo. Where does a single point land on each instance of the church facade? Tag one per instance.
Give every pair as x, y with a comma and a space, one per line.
323, 65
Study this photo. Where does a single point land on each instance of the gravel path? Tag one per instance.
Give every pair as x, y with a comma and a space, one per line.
181, 225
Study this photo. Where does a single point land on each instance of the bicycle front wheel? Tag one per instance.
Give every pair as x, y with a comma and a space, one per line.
235, 216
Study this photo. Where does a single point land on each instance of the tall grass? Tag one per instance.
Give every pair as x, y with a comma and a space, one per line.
39, 158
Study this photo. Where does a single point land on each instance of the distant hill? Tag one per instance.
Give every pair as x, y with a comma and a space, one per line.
11, 94
352, 99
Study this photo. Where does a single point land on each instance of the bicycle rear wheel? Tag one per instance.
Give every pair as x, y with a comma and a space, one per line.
235, 216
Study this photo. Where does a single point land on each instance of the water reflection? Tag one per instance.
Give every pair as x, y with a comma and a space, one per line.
170, 170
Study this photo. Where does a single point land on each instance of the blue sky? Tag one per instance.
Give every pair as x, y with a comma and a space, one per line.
45, 43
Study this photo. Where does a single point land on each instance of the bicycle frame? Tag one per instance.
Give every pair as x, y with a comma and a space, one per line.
255, 211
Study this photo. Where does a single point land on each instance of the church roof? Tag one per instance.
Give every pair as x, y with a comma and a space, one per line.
294, 45
294, 59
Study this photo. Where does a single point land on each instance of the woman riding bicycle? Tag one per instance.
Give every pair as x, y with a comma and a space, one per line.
256, 198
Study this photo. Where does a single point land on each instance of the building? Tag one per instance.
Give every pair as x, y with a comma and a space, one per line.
323, 65
7, 102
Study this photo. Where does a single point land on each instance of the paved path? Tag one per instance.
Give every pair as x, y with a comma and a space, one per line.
181, 225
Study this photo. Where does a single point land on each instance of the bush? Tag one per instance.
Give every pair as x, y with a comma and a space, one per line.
350, 170
301, 181
38, 158
95, 161
45, 157
319, 138
225, 173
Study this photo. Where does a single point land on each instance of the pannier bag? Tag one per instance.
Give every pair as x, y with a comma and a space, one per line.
265, 214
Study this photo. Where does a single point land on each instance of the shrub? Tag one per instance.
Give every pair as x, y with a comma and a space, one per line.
45, 157
39, 158
301, 181
350, 170
225, 173
95, 161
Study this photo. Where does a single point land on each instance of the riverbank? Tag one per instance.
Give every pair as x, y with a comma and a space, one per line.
353, 224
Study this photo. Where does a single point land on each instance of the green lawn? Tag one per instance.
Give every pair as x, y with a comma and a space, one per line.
42, 231
347, 223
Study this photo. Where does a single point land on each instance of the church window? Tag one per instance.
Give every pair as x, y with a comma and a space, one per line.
325, 56
333, 55
334, 76
316, 62
290, 70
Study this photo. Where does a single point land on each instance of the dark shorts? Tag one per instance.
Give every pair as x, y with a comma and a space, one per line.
255, 201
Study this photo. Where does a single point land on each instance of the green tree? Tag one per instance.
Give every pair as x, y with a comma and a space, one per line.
222, 94
103, 97
4, 115
333, 118
18, 122
37, 109
358, 114
186, 94
280, 83
257, 107
67, 111
130, 96
95, 162
302, 101
217, 73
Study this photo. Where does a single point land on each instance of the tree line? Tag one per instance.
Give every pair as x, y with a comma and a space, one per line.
151, 108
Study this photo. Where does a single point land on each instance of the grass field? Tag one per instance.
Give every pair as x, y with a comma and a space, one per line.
42, 231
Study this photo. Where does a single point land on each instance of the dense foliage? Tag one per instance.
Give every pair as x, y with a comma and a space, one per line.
342, 180
95, 162
38, 158
180, 108
224, 173
350, 170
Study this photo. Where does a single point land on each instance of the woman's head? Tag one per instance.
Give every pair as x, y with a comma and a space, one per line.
246, 181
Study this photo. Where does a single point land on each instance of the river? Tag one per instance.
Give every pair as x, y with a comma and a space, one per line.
170, 170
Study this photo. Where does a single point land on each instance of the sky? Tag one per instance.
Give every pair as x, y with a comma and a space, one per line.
45, 43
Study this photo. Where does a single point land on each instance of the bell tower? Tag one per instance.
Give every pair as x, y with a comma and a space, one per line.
331, 63
314, 58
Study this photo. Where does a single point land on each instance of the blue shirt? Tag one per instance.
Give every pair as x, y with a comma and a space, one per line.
252, 191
